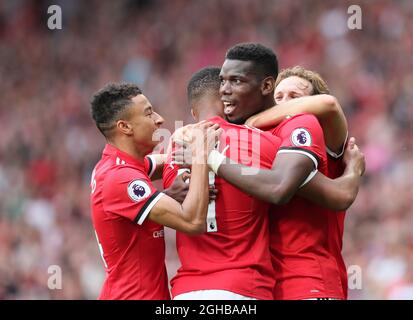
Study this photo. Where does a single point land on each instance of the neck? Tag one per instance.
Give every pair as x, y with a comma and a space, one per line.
205, 114
127, 146
267, 103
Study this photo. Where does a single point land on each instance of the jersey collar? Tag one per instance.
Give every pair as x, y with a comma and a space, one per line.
112, 151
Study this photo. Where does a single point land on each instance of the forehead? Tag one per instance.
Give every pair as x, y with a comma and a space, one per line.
237, 67
294, 83
141, 102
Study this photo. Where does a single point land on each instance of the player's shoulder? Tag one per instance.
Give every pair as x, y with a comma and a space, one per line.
304, 118
305, 121
123, 172
125, 178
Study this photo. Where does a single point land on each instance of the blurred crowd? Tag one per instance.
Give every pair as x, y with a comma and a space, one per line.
49, 144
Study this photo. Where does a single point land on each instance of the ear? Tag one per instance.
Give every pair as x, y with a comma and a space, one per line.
124, 127
268, 86
193, 113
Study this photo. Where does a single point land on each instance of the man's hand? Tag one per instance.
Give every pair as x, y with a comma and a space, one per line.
182, 155
179, 187
194, 142
354, 158
205, 136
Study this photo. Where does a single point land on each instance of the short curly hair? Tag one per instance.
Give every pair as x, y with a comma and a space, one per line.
108, 104
264, 58
204, 81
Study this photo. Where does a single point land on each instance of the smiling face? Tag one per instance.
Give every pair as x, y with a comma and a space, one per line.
240, 90
142, 122
291, 88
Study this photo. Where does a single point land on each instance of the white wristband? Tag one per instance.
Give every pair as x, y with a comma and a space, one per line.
215, 159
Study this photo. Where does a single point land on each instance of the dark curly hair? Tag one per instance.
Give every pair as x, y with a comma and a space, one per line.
264, 58
109, 103
202, 82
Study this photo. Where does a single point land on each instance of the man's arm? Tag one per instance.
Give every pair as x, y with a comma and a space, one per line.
277, 185
300, 148
325, 107
179, 187
157, 162
335, 194
340, 193
190, 217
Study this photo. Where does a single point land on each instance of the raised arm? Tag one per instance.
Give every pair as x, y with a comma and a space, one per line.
325, 107
190, 217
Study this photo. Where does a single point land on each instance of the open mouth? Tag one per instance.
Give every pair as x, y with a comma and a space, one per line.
229, 108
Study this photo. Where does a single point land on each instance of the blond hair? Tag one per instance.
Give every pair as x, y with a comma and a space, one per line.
318, 83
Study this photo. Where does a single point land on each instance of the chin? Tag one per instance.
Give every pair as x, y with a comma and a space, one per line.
234, 120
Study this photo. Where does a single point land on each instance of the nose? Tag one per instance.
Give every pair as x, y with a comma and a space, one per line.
225, 88
158, 119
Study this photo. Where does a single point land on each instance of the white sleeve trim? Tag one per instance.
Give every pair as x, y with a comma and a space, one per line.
182, 170
153, 162
149, 208
340, 154
301, 152
310, 176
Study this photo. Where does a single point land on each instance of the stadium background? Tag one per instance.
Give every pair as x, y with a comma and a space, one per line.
49, 145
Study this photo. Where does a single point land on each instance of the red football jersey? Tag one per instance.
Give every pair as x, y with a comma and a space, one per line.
300, 230
234, 254
336, 168
132, 247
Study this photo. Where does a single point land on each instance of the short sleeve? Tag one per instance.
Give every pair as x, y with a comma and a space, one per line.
303, 134
150, 165
129, 193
